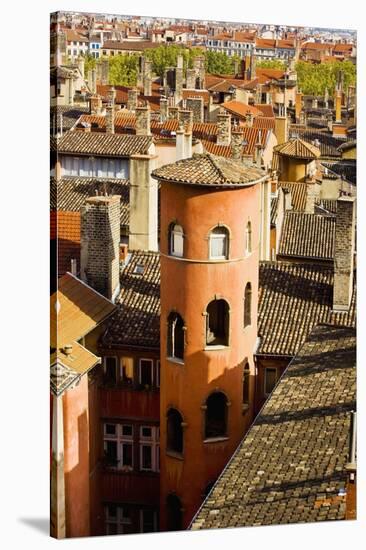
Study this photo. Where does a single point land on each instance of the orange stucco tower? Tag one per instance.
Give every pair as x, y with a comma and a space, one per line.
210, 216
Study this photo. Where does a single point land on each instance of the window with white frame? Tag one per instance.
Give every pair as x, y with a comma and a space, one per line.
270, 379
149, 448
148, 520
146, 372
219, 243
118, 446
117, 519
176, 240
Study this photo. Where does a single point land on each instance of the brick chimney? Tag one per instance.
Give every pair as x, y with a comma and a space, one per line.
195, 104
191, 79
249, 119
143, 117
185, 117
143, 231
96, 105
179, 144
100, 240
200, 70
111, 96
344, 247
188, 141
236, 144
147, 77
178, 84
253, 65
81, 65
223, 128
132, 99
338, 106
71, 90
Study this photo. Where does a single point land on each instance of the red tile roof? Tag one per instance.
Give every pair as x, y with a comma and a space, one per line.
68, 238
240, 109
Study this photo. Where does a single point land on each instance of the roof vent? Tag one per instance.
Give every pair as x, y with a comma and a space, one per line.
139, 269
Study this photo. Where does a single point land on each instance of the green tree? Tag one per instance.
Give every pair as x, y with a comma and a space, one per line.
271, 64
123, 70
90, 63
315, 79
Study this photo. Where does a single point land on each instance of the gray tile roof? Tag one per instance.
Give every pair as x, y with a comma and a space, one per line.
346, 169
306, 235
136, 322
208, 169
290, 467
69, 193
70, 115
298, 193
110, 145
293, 299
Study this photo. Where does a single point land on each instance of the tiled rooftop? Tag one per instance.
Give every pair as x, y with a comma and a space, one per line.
93, 143
306, 235
297, 148
136, 322
293, 299
298, 193
291, 465
210, 170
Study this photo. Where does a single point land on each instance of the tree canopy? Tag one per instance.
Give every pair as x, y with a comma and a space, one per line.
271, 64
315, 79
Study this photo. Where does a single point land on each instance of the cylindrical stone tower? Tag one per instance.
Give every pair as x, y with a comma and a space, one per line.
210, 217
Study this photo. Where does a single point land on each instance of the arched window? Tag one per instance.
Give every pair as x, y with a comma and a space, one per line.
174, 513
176, 240
219, 243
246, 384
248, 238
216, 415
248, 305
174, 431
175, 336
217, 323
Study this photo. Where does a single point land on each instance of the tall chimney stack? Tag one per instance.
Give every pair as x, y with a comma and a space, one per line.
191, 79
298, 106
344, 253
143, 233
147, 78
163, 109
111, 96
338, 106
100, 240
223, 128
143, 118
236, 144
105, 72
132, 96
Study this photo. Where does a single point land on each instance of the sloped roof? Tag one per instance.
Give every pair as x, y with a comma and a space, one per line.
76, 309
66, 369
291, 465
298, 193
241, 109
210, 170
136, 322
297, 148
94, 143
66, 229
293, 299
306, 235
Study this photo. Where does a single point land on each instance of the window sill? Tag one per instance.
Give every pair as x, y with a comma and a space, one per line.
173, 454
216, 439
175, 360
215, 347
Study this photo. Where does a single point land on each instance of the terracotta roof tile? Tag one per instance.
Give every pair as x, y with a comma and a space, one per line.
291, 465
241, 109
207, 169
136, 322
306, 235
68, 239
297, 148
298, 193
293, 299
93, 143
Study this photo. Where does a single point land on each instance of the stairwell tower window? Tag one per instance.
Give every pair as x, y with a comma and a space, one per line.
176, 240
219, 243
175, 336
217, 323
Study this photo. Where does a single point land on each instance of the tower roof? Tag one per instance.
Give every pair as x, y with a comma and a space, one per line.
210, 170
297, 148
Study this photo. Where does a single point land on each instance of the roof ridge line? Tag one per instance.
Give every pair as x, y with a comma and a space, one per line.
217, 168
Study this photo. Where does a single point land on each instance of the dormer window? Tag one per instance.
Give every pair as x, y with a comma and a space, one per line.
176, 240
219, 243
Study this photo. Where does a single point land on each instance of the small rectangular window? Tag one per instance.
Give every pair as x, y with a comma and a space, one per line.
270, 379
146, 372
110, 429
146, 457
127, 370
110, 370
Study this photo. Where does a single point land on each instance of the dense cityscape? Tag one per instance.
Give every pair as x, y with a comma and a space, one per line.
203, 274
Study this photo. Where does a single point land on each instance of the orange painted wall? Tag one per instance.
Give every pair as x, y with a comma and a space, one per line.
76, 445
188, 288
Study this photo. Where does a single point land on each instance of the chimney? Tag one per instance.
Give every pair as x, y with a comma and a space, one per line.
246, 74
298, 106
143, 121
173, 113
95, 105
100, 240
314, 104
163, 109
252, 66
178, 84
179, 144
312, 192
223, 128
281, 129
249, 119
199, 66
344, 247
326, 98
111, 95
258, 155
147, 78
132, 96
185, 117
188, 141
191, 79
195, 104
180, 61
71, 91
105, 72
143, 231
338, 106
236, 144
